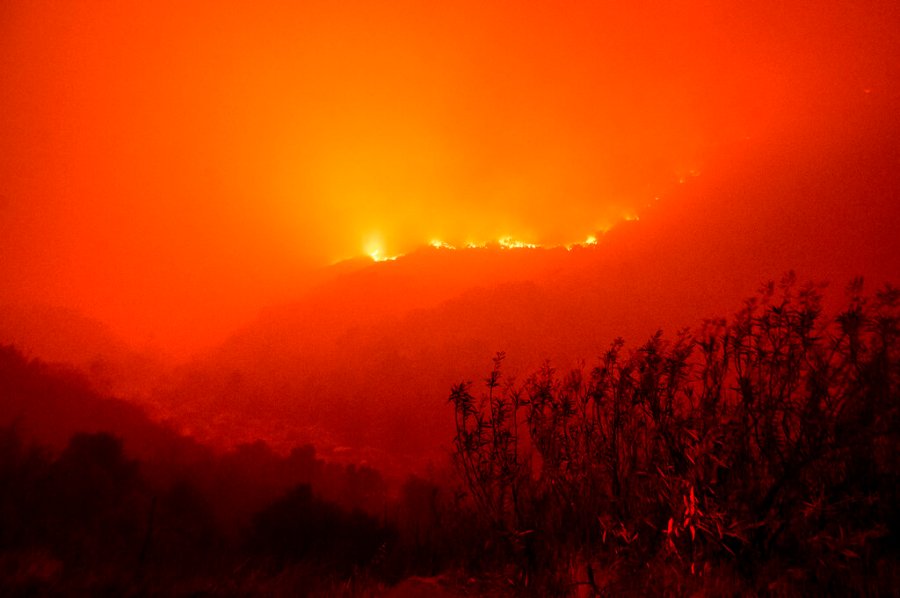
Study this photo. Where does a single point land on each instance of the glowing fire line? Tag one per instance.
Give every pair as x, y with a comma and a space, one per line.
504, 243
510, 243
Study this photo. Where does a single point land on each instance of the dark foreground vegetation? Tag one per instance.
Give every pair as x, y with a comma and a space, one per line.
755, 455
87, 515
92, 520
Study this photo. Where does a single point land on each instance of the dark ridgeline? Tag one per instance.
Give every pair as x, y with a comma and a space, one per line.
86, 516
753, 455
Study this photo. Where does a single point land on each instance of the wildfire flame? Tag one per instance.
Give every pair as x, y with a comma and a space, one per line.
505, 243
437, 244
510, 243
375, 249
376, 256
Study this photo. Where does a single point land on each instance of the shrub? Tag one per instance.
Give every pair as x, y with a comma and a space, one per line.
764, 446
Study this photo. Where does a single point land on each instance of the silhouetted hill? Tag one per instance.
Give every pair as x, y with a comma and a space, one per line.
59, 335
95, 495
49, 403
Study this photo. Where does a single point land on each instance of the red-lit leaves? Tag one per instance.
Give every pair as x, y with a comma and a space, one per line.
706, 451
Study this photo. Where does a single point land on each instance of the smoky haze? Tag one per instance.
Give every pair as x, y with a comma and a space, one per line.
169, 170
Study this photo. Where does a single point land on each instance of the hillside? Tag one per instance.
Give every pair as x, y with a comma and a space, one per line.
366, 359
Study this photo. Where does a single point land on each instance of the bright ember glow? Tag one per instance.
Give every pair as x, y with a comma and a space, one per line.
437, 244
510, 243
376, 256
506, 243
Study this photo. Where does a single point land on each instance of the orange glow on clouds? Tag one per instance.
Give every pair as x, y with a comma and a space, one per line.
171, 167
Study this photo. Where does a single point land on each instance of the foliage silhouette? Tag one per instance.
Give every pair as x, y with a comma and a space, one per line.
765, 447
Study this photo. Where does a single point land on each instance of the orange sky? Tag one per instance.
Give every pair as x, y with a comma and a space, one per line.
169, 170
